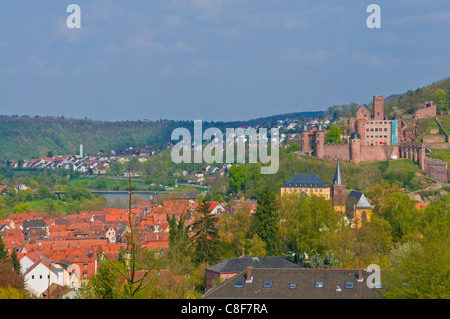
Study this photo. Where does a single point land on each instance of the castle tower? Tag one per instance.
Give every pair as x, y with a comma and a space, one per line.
338, 191
361, 129
320, 140
378, 107
421, 157
305, 143
355, 147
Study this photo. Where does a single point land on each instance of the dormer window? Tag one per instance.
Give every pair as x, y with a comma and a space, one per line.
267, 284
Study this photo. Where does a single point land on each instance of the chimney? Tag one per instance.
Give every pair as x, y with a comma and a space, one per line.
360, 275
249, 275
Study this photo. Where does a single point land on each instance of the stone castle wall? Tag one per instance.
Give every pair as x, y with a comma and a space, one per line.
366, 154
437, 169
341, 151
425, 113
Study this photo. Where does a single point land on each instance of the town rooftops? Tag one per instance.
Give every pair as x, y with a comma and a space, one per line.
295, 283
305, 180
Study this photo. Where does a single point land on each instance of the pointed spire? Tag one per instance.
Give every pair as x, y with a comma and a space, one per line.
337, 180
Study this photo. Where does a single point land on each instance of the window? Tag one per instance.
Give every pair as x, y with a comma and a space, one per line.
40, 276
32, 276
349, 285
292, 286
85, 265
319, 284
267, 284
239, 284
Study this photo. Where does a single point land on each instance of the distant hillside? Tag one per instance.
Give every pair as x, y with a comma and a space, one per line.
26, 137
23, 137
274, 118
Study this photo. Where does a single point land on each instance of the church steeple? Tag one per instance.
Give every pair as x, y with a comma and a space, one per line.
338, 191
337, 180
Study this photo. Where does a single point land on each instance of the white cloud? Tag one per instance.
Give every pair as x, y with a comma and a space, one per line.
200, 66
374, 60
314, 56
61, 31
143, 42
433, 17
210, 10
173, 21
31, 66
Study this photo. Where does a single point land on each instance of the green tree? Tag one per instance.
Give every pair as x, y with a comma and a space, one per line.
178, 245
307, 221
402, 215
333, 134
9, 277
237, 177
237, 234
15, 262
327, 261
205, 240
75, 192
266, 221
3, 250
420, 269
440, 97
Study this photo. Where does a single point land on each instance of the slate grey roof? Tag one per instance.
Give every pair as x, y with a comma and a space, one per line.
305, 180
34, 223
295, 283
358, 199
355, 136
236, 265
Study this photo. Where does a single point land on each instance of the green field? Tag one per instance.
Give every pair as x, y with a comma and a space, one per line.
445, 122
424, 126
442, 154
93, 182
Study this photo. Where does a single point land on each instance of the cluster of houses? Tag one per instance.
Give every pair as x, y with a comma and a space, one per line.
97, 164
58, 254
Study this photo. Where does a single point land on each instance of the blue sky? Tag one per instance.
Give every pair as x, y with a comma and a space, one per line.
214, 59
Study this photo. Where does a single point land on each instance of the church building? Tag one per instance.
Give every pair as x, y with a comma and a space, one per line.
354, 207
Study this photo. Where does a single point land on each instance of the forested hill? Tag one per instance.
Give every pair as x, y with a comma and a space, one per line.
24, 137
32, 137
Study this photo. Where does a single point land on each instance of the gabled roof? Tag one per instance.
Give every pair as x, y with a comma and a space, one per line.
56, 291
236, 265
305, 180
359, 200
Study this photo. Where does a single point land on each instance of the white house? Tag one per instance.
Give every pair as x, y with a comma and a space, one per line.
41, 275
